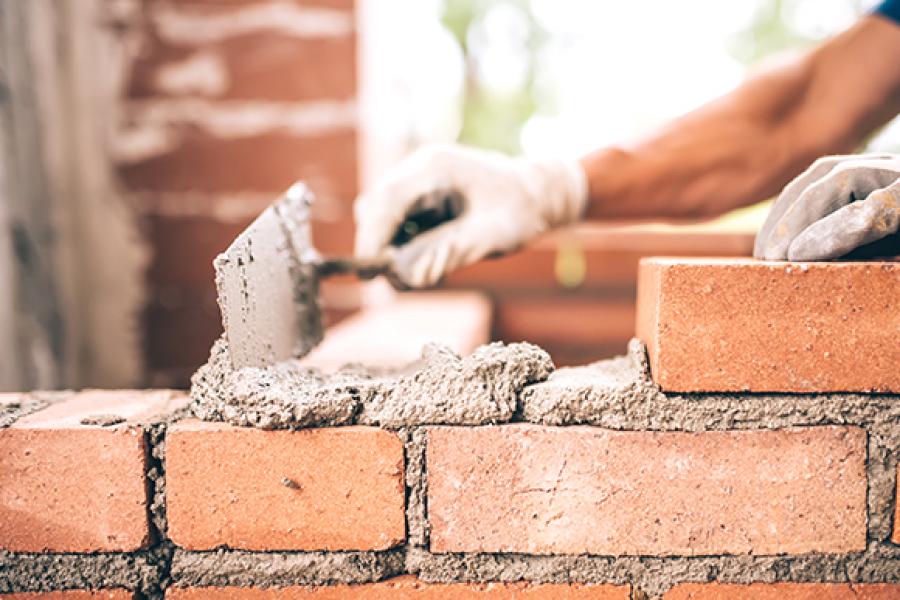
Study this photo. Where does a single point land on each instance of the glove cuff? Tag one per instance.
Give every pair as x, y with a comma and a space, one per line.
560, 191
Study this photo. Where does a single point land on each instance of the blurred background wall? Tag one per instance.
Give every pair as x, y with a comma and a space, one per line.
140, 136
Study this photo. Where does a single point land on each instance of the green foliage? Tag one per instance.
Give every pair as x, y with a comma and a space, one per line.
491, 119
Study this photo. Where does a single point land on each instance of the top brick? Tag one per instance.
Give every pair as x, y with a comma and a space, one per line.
744, 325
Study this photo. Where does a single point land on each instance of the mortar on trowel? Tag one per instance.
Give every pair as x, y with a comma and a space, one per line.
268, 279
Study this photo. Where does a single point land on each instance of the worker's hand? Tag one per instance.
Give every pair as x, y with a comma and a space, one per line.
502, 202
837, 205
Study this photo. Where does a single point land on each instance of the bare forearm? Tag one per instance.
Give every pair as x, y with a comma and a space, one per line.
743, 147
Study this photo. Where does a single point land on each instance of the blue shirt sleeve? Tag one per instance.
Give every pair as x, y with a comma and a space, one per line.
889, 9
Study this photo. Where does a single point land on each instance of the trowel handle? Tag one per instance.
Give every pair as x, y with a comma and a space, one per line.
364, 269
427, 212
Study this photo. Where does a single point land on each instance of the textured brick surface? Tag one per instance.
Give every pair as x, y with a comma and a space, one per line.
739, 324
270, 162
67, 487
784, 591
314, 489
571, 490
262, 65
72, 595
403, 588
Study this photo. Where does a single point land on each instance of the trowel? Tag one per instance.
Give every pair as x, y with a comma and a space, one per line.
268, 279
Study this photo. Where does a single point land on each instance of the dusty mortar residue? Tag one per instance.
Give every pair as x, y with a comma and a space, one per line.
14, 406
440, 388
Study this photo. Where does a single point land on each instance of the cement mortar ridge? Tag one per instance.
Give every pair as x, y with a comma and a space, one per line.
277, 569
140, 571
441, 388
655, 575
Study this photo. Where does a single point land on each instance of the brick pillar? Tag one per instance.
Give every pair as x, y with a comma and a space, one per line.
227, 103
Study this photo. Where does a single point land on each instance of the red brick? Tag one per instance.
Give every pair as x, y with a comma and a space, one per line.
611, 254
573, 320
409, 588
393, 334
896, 537
226, 487
203, 162
263, 65
67, 487
72, 595
573, 490
784, 591
740, 324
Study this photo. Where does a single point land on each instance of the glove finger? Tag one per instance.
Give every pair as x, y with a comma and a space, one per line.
842, 185
788, 196
382, 210
850, 227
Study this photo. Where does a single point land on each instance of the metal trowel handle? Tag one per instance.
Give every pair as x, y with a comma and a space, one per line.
427, 212
364, 269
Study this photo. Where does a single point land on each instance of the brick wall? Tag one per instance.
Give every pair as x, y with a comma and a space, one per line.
596, 483
226, 104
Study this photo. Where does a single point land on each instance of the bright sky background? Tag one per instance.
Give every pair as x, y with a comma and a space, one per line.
612, 70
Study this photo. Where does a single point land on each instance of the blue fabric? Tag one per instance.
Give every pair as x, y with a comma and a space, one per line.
889, 9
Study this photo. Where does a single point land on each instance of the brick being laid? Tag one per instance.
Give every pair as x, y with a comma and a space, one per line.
744, 325
583, 490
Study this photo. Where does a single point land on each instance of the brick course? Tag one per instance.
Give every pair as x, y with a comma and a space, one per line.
315, 489
784, 591
574, 490
72, 595
744, 325
409, 588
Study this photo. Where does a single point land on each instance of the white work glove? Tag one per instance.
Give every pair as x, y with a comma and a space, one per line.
504, 203
837, 205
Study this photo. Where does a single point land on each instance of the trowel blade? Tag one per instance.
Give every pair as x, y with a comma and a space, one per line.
267, 285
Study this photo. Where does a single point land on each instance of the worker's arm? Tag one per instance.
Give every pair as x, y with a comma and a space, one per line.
735, 151
744, 147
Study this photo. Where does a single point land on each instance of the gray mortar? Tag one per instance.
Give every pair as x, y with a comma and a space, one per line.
414, 446
28, 403
619, 394
654, 576
276, 569
441, 388
48, 572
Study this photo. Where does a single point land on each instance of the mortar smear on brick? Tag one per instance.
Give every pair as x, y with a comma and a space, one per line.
441, 388
14, 406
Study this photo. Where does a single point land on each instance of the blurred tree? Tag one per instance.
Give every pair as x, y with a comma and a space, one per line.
771, 30
493, 118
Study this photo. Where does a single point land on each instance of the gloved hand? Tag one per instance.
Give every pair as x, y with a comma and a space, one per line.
505, 202
837, 205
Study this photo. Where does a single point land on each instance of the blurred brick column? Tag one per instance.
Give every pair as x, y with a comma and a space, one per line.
228, 102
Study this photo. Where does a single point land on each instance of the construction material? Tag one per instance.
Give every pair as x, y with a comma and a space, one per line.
572, 490
268, 490
743, 325
440, 388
